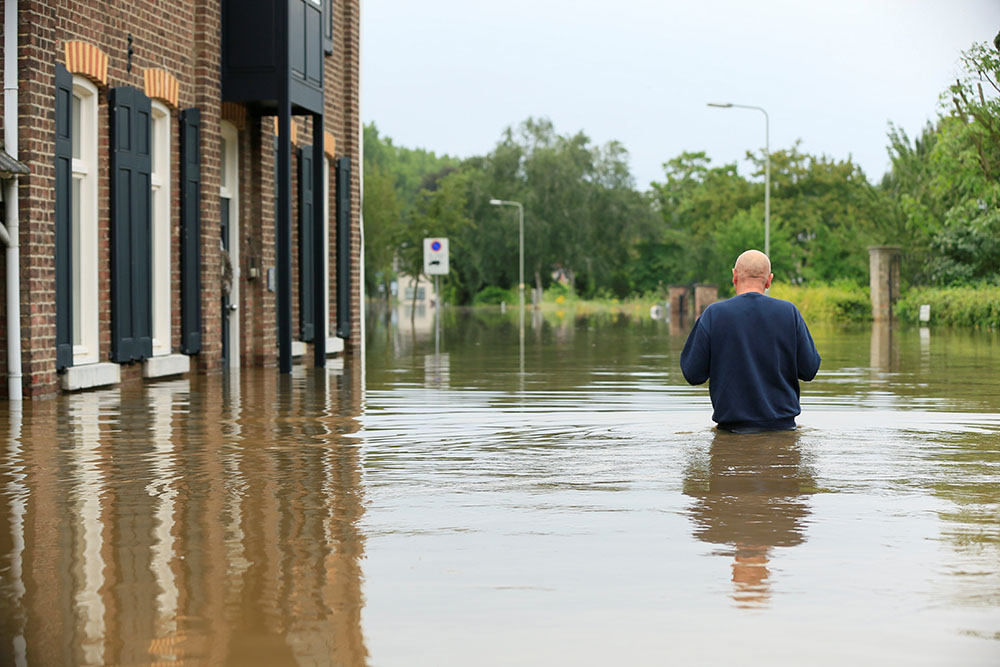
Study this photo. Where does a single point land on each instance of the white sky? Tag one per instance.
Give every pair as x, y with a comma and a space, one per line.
450, 75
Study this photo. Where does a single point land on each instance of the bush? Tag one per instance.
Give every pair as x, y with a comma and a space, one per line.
957, 306
839, 302
493, 296
556, 290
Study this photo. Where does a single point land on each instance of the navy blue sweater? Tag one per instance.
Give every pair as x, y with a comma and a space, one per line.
753, 349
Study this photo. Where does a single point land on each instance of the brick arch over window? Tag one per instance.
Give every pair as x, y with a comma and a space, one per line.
87, 60
329, 145
162, 85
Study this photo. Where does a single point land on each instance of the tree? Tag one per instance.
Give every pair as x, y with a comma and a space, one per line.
944, 189
381, 210
439, 210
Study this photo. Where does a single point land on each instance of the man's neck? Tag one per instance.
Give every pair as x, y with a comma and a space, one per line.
754, 289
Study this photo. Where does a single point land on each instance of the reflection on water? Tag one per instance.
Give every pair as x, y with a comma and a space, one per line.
445, 508
884, 355
751, 499
203, 522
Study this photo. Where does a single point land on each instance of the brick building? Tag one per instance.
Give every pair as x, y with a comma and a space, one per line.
169, 223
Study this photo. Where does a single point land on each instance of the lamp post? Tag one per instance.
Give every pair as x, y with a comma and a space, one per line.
520, 270
767, 167
520, 225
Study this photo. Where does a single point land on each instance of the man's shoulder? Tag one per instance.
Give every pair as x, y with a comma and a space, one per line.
752, 301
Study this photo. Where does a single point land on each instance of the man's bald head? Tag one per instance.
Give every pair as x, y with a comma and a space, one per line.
752, 268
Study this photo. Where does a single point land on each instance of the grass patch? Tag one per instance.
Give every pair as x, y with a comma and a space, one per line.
977, 306
836, 303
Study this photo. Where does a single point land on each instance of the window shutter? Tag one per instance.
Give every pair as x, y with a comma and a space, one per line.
344, 247
131, 215
64, 218
190, 143
306, 200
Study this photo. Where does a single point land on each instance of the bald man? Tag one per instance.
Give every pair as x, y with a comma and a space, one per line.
753, 350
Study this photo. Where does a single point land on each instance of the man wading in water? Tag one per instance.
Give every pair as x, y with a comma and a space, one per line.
753, 350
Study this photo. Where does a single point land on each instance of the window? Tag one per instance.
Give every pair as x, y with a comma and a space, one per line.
160, 186
328, 27
83, 256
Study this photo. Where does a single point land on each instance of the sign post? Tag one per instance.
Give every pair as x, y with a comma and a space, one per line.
436, 264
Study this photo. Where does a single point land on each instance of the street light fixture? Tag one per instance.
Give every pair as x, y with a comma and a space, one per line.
767, 167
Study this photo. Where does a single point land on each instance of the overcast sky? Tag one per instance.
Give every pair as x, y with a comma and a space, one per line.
450, 75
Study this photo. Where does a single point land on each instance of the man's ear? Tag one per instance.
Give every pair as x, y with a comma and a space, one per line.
770, 277
734, 277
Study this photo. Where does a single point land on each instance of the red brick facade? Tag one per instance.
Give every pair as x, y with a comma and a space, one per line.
181, 38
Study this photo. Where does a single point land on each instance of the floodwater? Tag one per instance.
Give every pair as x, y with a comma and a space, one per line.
564, 501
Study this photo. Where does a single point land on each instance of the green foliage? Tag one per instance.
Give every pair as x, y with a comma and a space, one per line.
838, 302
745, 230
943, 191
559, 293
493, 295
394, 179
582, 215
439, 210
381, 210
977, 306
823, 215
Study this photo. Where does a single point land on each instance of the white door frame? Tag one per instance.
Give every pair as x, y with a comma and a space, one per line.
229, 188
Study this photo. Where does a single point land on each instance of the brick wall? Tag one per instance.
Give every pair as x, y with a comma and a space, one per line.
182, 37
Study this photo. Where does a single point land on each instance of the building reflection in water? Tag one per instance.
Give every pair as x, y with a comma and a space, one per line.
750, 497
210, 521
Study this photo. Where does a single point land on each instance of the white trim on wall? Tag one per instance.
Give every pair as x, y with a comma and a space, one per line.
160, 182
86, 338
326, 247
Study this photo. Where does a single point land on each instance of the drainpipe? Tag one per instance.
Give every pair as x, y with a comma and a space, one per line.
10, 201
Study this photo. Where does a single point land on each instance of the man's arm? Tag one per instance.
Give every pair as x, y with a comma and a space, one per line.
696, 357
807, 357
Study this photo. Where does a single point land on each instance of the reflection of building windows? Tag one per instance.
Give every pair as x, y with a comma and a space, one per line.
83, 217
420, 294
160, 185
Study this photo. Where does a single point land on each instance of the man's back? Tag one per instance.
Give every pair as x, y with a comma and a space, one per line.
754, 350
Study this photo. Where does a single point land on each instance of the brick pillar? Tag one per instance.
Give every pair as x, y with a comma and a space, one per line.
704, 296
883, 263
680, 307
207, 95
680, 300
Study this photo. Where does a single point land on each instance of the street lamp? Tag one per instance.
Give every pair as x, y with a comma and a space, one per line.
520, 278
767, 168
520, 222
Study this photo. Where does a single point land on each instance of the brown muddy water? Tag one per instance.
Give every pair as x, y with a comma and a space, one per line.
568, 504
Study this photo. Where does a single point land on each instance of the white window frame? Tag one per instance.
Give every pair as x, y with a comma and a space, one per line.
160, 185
86, 339
231, 191
326, 246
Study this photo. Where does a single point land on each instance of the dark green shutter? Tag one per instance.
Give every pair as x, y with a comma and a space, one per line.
344, 247
64, 218
190, 142
131, 221
306, 243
